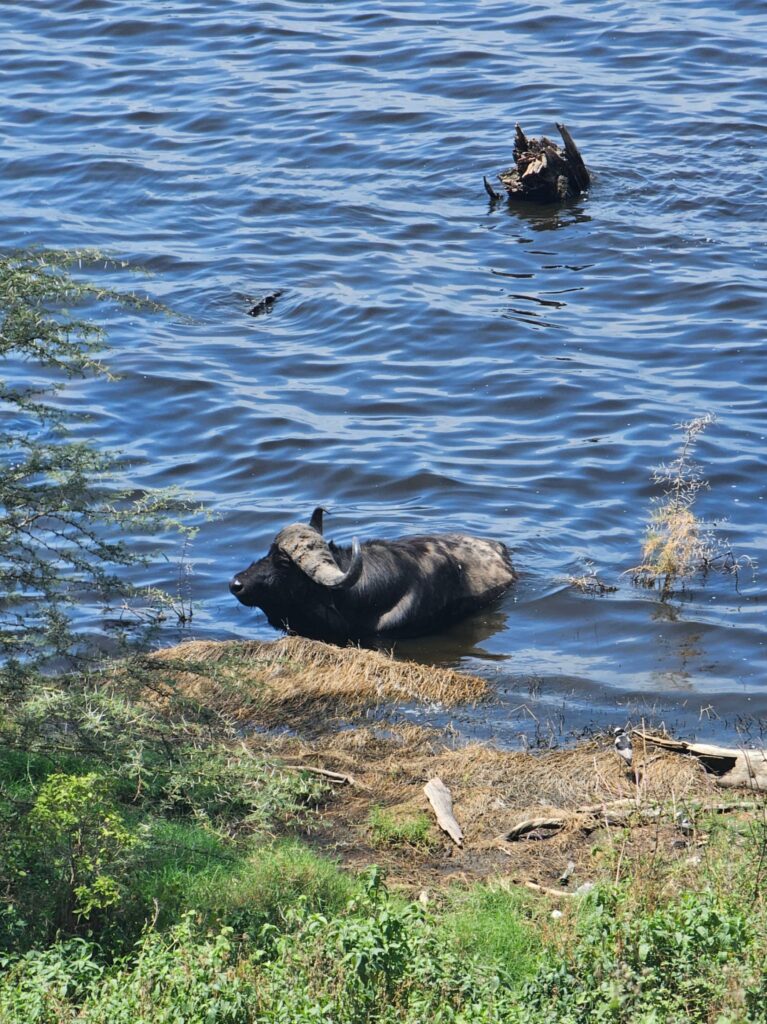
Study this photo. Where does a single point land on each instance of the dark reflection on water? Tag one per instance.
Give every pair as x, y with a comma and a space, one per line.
433, 362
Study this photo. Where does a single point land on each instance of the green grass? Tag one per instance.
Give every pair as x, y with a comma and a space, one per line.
324, 947
244, 890
389, 829
497, 926
197, 913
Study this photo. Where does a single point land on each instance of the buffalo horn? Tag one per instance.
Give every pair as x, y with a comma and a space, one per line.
311, 553
316, 521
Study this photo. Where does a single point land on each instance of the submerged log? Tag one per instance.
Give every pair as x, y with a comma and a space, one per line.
544, 171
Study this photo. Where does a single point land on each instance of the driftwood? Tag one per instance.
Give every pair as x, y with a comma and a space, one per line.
537, 887
510, 883
732, 766
442, 802
544, 172
615, 812
340, 778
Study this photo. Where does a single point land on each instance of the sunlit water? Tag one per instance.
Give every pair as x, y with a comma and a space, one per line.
433, 363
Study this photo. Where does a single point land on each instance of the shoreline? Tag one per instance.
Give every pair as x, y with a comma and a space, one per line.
328, 711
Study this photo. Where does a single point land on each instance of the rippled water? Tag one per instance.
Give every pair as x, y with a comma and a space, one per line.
432, 363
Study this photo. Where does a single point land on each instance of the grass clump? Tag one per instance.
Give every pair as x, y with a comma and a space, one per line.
390, 829
498, 926
678, 544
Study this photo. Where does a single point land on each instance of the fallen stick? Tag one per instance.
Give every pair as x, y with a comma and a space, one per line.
338, 777
507, 883
549, 891
442, 803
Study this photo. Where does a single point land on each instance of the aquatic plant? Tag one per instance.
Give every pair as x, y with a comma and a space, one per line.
678, 543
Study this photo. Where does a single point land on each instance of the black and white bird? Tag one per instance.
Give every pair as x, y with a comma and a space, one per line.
623, 745
684, 824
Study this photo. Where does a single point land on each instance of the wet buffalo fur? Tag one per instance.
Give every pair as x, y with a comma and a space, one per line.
405, 587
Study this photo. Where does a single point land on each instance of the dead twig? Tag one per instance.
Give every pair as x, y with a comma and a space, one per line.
340, 778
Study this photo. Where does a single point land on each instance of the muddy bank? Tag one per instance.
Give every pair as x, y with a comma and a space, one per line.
307, 705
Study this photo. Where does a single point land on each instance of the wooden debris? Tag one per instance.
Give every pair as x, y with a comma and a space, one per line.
529, 825
614, 812
494, 196
442, 802
544, 172
509, 884
536, 887
340, 778
732, 766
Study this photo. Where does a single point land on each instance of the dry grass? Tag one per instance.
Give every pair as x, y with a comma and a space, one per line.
590, 583
299, 682
678, 544
494, 790
262, 689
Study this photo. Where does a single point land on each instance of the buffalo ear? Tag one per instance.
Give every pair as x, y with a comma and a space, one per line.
316, 521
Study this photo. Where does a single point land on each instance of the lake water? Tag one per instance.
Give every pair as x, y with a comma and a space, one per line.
432, 363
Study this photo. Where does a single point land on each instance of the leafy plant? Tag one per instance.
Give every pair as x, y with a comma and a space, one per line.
61, 515
676, 964
77, 832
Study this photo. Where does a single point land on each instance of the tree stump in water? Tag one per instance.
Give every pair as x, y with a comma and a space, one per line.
544, 171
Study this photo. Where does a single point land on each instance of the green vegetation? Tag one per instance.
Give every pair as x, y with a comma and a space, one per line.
61, 515
694, 957
148, 872
113, 812
497, 926
390, 829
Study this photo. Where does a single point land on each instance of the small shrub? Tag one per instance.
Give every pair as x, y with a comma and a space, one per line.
234, 792
181, 976
78, 835
44, 985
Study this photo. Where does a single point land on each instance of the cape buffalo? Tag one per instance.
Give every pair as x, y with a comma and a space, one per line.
394, 588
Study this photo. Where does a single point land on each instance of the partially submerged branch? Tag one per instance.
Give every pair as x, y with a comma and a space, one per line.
544, 172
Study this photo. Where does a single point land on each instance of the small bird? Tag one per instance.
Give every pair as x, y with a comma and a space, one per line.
623, 745
684, 824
